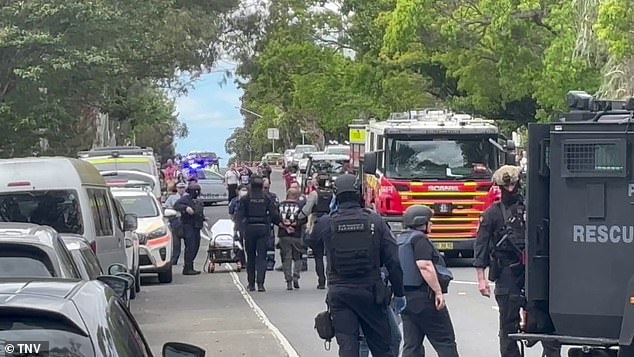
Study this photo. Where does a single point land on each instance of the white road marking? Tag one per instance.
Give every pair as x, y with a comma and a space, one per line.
286, 345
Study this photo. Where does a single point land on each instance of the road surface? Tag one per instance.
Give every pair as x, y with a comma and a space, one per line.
215, 312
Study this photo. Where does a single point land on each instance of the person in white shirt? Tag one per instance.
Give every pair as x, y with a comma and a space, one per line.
232, 178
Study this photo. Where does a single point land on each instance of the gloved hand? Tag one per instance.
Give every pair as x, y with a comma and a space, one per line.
400, 303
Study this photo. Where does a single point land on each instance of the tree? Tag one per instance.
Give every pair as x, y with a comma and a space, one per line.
61, 60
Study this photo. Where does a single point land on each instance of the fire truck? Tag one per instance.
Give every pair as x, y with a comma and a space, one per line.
437, 158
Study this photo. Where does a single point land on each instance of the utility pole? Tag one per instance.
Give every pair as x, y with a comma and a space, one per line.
303, 133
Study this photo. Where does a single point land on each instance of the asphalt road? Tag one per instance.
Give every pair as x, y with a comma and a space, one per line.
215, 312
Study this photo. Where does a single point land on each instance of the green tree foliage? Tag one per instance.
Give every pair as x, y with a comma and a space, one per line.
62, 61
511, 60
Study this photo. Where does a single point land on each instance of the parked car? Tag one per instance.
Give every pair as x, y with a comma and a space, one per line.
132, 179
155, 237
212, 187
29, 250
68, 195
337, 150
272, 158
78, 318
83, 256
300, 150
331, 164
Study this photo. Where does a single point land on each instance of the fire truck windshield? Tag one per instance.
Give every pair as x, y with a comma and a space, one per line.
433, 158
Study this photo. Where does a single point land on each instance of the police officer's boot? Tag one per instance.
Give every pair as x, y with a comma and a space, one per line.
261, 288
189, 270
296, 284
289, 285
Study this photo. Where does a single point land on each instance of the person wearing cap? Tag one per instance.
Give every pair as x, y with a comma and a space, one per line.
175, 222
357, 244
426, 314
192, 218
499, 247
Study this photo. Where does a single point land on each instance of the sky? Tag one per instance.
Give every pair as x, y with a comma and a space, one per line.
209, 110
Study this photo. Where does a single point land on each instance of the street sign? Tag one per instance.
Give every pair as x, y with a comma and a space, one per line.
357, 136
273, 134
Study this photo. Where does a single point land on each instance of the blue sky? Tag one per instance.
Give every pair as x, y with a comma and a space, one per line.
210, 112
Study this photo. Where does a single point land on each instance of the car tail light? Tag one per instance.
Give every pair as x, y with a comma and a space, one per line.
19, 184
93, 246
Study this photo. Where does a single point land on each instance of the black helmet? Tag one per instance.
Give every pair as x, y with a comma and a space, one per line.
417, 215
346, 183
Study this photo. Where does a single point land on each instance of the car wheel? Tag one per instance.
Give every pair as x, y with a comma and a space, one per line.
165, 277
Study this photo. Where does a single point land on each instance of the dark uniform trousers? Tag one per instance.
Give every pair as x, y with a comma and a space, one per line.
192, 243
256, 239
510, 301
353, 306
318, 254
420, 320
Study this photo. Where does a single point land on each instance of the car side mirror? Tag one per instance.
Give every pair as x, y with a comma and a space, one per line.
370, 163
129, 277
130, 222
117, 268
169, 212
177, 349
117, 283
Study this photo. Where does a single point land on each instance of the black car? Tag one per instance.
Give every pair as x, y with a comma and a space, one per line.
79, 318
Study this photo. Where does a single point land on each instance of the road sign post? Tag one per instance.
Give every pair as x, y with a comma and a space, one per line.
273, 134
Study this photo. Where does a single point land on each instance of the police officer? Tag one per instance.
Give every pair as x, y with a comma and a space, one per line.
426, 314
175, 222
317, 205
257, 211
192, 218
358, 242
499, 247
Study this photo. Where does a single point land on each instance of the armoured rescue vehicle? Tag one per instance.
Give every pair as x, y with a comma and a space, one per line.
580, 241
437, 158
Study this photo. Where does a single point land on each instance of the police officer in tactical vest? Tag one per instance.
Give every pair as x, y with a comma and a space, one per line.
358, 242
257, 211
426, 314
317, 205
499, 246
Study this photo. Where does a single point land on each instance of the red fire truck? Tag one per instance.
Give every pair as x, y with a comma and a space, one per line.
437, 158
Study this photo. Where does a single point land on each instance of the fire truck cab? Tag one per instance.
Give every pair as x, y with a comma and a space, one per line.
436, 158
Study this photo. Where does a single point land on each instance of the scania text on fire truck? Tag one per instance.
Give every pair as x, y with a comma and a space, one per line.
437, 158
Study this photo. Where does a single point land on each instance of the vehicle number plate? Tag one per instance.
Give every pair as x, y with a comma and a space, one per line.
444, 245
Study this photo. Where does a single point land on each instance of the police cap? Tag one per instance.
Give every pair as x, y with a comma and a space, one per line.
506, 175
417, 215
346, 183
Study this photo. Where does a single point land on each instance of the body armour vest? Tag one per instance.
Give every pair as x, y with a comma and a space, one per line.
324, 197
514, 228
354, 251
257, 209
411, 273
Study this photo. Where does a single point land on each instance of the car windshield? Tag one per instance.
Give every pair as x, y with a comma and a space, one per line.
332, 167
440, 158
338, 151
303, 149
141, 206
63, 339
57, 208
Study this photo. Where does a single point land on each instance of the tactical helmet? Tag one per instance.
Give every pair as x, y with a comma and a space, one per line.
506, 175
417, 215
346, 183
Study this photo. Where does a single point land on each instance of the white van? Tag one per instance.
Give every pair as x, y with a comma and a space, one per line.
69, 195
